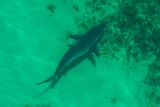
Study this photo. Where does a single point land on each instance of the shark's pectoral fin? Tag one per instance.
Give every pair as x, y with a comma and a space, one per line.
91, 59
69, 45
75, 37
95, 50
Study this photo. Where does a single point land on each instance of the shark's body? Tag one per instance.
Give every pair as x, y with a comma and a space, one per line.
85, 45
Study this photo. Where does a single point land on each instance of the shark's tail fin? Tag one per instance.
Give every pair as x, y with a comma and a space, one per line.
47, 80
49, 87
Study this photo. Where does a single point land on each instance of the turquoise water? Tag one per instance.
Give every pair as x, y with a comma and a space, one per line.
34, 37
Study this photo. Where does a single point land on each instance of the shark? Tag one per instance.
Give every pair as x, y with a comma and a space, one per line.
83, 48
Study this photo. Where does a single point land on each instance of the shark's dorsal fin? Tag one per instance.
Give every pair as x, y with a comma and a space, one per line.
75, 37
95, 50
91, 59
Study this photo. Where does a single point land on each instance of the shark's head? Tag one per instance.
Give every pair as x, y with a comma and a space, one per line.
92, 36
97, 29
